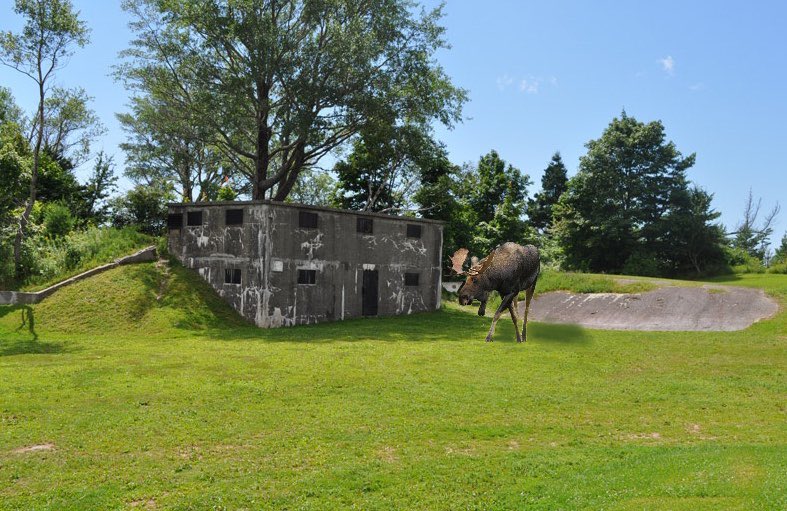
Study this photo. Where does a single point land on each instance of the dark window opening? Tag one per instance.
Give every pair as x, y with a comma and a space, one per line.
413, 231
233, 217
232, 276
307, 220
410, 279
194, 218
174, 221
307, 276
365, 226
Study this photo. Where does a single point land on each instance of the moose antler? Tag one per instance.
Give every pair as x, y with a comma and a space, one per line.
479, 267
458, 259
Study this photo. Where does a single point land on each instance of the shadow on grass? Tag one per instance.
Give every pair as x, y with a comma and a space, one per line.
554, 332
442, 325
22, 345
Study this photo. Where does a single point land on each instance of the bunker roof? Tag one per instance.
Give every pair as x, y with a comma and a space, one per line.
295, 205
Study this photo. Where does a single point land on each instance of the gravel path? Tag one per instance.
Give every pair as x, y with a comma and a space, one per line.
716, 308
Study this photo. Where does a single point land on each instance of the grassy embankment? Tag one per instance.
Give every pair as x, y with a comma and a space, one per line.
150, 391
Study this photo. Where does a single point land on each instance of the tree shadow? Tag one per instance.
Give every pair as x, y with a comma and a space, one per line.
24, 344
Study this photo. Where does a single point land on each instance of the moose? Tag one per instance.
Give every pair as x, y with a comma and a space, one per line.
508, 269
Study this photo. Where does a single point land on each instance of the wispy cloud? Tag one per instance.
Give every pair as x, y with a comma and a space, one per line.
503, 82
668, 65
697, 87
528, 85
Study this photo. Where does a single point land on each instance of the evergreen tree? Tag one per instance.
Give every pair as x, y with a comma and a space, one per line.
625, 185
780, 255
553, 183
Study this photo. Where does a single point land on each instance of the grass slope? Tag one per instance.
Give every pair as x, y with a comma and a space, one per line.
154, 393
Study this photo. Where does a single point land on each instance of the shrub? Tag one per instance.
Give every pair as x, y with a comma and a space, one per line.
57, 219
778, 268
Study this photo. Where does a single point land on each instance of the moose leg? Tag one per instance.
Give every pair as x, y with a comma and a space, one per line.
515, 317
528, 297
482, 308
503, 306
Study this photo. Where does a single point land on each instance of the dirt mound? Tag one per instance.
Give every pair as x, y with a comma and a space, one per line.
666, 308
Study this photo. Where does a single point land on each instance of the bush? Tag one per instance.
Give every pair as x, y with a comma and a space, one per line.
778, 268
643, 264
57, 219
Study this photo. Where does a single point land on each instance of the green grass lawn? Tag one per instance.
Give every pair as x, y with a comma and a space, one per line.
155, 395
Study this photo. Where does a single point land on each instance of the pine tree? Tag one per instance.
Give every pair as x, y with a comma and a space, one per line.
553, 183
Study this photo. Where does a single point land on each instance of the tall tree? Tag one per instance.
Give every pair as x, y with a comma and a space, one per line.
553, 183
280, 84
751, 234
496, 199
625, 185
51, 30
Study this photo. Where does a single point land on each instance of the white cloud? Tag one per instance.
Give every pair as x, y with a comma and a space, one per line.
668, 65
697, 87
503, 82
530, 85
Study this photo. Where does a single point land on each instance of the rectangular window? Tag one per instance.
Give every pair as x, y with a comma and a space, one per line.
307, 276
232, 276
233, 217
174, 221
194, 218
307, 220
413, 231
365, 226
410, 279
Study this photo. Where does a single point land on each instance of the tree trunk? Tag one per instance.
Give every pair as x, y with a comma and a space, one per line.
24, 219
291, 176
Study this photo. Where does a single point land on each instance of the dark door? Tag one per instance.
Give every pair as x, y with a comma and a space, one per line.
369, 293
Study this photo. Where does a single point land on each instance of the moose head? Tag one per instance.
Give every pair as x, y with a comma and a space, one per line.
475, 286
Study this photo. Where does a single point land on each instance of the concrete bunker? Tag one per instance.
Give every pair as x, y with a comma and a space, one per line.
281, 264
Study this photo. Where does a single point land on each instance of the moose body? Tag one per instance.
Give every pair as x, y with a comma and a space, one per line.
509, 269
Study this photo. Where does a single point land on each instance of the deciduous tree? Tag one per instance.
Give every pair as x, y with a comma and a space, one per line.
50, 32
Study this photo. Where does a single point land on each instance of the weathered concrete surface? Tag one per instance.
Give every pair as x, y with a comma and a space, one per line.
717, 308
270, 247
26, 298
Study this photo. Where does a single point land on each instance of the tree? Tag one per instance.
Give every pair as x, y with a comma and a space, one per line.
144, 207
625, 185
313, 187
95, 193
750, 236
693, 240
780, 254
281, 84
43, 47
495, 199
384, 168
553, 183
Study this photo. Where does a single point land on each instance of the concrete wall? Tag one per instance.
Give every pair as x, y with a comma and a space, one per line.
269, 248
19, 297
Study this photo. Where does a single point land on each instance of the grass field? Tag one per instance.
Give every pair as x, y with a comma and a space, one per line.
147, 392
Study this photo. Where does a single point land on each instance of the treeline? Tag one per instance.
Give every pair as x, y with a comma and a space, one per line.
244, 100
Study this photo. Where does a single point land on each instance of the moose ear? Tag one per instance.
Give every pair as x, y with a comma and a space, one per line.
458, 259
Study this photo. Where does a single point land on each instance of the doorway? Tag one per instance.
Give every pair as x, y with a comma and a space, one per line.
369, 293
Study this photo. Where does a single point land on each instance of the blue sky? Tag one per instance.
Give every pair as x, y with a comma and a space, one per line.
547, 76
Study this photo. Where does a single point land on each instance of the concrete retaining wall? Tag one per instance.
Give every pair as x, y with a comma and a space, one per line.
26, 298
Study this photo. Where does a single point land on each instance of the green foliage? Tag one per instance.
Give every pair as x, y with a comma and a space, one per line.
630, 201
751, 234
780, 254
385, 166
553, 183
494, 198
226, 193
56, 259
304, 78
168, 394
144, 207
57, 220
